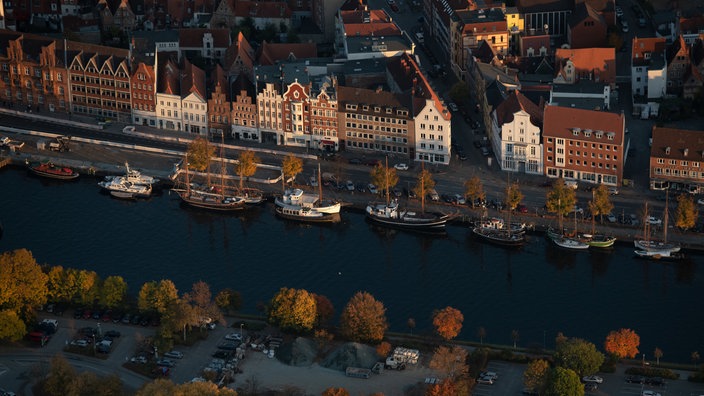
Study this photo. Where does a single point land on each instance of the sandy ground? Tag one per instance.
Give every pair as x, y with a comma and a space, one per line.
274, 375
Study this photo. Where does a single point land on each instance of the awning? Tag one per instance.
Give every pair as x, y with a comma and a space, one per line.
327, 142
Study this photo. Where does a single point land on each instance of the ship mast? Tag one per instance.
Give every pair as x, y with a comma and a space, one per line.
222, 167
320, 187
664, 221
386, 173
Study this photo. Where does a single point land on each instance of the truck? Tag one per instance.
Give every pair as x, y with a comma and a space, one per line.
403, 356
394, 364
358, 372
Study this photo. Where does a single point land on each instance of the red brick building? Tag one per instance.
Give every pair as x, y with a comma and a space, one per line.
583, 145
677, 160
143, 98
586, 28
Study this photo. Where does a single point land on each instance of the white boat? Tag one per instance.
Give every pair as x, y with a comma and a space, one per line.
305, 214
120, 188
299, 198
495, 223
133, 176
570, 243
390, 214
659, 254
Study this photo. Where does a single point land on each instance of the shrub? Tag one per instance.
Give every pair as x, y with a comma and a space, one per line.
653, 372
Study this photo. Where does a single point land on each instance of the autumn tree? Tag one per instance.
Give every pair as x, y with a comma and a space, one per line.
291, 167
246, 165
560, 199
384, 176
165, 387
89, 383
325, 310
61, 375
364, 319
293, 309
180, 316
446, 387
448, 322
451, 362
563, 381
383, 349
157, 296
579, 356
658, 354
535, 376
514, 196
423, 186
335, 392
228, 300
601, 203
201, 299
57, 285
12, 328
113, 291
474, 190
686, 214
23, 284
622, 343
199, 153
87, 285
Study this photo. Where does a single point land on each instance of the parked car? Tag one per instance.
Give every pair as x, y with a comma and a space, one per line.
521, 208
656, 381
361, 187
409, 192
642, 22
611, 218
485, 151
355, 161
174, 354
112, 334
619, 12
571, 184
485, 380
372, 189
396, 192
458, 199
349, 185
635, 379
234, 337
229, 345
165, 363
433, 195
590, 386
654, 220
649, 393
401, 166
453, 107
613, 190
139, 359
593, 378
624, 26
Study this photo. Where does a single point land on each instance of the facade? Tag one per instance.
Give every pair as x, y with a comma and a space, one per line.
648, 67
143, 82
270, 107
536, 45
584, 145
323, 14
470, 28
677, 160
516, 125
586, 64
678, 63
194, 102
168, 93
438, 17
550, 14
244, 111
219, 104
263, 13
324, 118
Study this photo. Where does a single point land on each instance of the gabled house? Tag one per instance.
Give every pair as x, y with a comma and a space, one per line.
143, 82
116, 14
207, 44
693, 84
586, 28
245, 123
516, 126
219, 106
678, 62
534, 45
584, 145
272, 53
194, 101
224, 15
591, 64
648, 67
168, 91
677, 160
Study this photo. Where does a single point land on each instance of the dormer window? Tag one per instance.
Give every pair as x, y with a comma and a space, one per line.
575, 131
686, 151
587, 132
599, 134
667, 150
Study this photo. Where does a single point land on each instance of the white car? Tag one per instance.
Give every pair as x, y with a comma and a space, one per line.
349, 185
234, 337
613, 190
649, 393
453, 107
654, 220
593, 378
624, 26
700, 201
372, 188
611, 218
401, 167
174, 354
619, 12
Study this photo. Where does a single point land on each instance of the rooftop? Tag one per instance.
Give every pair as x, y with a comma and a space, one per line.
683, 144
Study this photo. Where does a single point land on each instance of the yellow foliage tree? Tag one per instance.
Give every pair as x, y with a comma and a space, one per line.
293, 309
199, 153
23, 284
364, 319
335, 392
246, 165
291, 167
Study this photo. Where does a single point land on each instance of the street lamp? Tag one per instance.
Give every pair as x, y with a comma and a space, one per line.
241, 334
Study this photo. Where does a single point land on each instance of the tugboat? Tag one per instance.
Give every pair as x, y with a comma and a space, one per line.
52, 171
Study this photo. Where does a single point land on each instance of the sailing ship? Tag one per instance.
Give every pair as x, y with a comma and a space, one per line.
594, 239
389, 214
649, 245
209, 197
52, 171
495, 231
297, 197
566, 241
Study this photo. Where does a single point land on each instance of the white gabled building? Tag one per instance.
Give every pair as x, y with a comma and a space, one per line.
516, 124
168, 93
433, 132
194, 102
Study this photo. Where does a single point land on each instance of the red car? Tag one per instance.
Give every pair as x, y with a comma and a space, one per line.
521, 208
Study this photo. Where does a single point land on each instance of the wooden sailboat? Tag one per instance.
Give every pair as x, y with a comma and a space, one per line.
597, 240
500, 234
654, 249
389, 213
211, 198
571, 242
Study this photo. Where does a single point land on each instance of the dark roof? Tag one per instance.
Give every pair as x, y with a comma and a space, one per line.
536, 6
679, 141
582, 12
514, 103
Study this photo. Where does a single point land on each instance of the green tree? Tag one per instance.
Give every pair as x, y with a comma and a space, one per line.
113, 291
423, 186
601, 203
563, 381
451, 362
578, 355
560, 199
474, 190
61, 376
199, 153
384, 177
536, 375
228, 300
514, 196
12, 328
448, 322
686, 214
23, 284
364, 319
157, 296
459, 92
246, 165
291, 167
293, 309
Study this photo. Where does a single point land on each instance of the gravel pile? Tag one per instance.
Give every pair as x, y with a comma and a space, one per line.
351, 354
301, 352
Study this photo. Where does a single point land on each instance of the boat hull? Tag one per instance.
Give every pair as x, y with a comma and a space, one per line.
571, 244
54, 172
659, 255
123, 195
644, 245
437, 223
301, 215
499, 238
210, 201
600, 241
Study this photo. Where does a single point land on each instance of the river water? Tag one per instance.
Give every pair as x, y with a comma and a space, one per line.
539, 290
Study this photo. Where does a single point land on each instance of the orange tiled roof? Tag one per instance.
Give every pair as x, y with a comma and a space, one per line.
560, 121
597, 60
641, 46
376, 29
678, 140
270, 53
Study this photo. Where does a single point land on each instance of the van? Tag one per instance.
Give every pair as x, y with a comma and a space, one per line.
433, 195
571, 184
419, 38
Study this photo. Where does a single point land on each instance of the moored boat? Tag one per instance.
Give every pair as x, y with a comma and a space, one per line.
211, 198
499, 236
120, 188
659, 254
133, 176
391, 215
598, 240
298, 197
647, 244
496, 223
50, 170
304, 214
570, 243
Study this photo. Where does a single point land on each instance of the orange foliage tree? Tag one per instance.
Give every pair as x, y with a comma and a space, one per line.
383, 349
622, 343
448, 322
445, 388
336, 392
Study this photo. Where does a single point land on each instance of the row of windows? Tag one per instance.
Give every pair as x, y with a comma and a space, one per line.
425, 146
679, 173
378, 146
431, 127
561, 161
377, 109
432, 137
695, 164
386, 120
